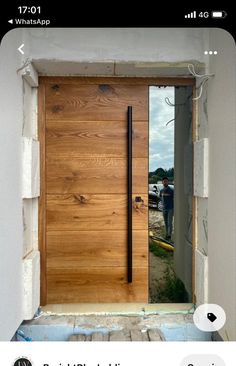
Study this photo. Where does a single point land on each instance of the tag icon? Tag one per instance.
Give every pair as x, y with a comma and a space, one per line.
211, 317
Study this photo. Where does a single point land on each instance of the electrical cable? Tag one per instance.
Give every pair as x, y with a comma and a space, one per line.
206, 77
193, 72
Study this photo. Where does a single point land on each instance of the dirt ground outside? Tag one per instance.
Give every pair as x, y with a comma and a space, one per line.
164, 286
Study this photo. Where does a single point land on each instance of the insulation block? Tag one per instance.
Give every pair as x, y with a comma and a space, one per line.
201, 277
30, 184
201, 168
30, 75
31, 283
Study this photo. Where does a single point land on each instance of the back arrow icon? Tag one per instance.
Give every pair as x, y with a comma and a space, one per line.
20, 49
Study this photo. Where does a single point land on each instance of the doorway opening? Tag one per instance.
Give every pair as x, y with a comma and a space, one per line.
170, 194
83, 212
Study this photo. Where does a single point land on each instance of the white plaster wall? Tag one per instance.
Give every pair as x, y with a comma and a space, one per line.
11, 223
115, 51
120, 44
222, 178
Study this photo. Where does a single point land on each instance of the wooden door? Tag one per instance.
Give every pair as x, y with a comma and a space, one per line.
83, 203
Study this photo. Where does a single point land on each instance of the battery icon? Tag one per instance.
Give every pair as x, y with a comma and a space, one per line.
218, 14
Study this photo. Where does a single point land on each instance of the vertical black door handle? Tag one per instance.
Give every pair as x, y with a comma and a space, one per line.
129, 184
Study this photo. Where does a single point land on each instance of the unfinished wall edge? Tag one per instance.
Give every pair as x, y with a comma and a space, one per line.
31, 284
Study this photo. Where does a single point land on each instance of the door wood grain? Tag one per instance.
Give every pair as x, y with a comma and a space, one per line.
83, 215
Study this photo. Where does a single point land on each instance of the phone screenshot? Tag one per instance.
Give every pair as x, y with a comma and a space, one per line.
117, 189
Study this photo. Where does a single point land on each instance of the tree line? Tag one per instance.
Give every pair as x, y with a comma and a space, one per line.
159, 173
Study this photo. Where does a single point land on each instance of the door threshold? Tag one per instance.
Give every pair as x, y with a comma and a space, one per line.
116, 309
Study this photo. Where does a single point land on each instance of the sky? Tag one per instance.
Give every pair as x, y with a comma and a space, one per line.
161, 137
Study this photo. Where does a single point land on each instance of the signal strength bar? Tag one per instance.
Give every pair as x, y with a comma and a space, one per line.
191, 15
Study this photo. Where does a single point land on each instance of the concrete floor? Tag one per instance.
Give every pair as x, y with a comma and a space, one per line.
132, 335
174, 325
116, 309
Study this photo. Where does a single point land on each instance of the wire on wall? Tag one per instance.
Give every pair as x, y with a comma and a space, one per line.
26, 63
169, 103
205, 78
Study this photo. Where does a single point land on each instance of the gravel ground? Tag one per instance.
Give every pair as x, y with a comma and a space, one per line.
158, 266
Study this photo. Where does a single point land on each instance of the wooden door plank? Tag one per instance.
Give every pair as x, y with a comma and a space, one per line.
95, 285
96, 212
95, 102
91, 175
86, 212
95, 139
78, 249
42, 223
86, 193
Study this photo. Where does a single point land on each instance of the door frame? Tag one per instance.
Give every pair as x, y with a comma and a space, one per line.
148, 81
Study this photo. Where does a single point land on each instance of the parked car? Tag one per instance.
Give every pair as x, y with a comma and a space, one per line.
154, 200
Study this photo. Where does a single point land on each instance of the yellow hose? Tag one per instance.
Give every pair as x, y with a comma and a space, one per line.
164, 245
